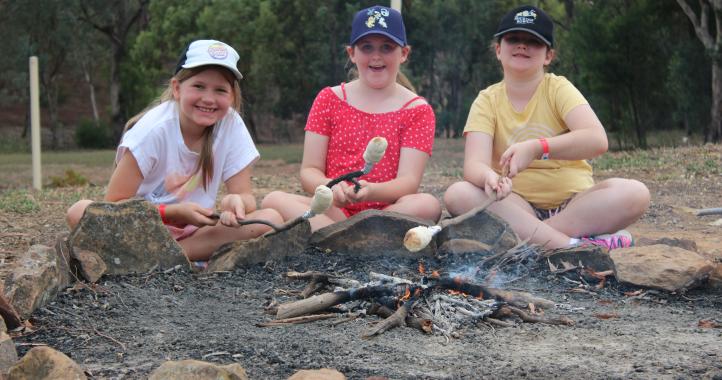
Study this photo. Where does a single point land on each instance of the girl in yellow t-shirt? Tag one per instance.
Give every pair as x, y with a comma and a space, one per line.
540, 127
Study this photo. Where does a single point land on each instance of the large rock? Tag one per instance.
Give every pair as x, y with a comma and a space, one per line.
45, 363
197, 370
8, 354
261, 249
715, 277
35, 280
687, 244
491, 234
88, 264
370, 233
593, 257
660, 267
318, 374
128, 236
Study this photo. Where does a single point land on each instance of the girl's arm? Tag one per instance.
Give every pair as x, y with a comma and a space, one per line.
313, 168
240, 200
126, 179
477, 165
586, 139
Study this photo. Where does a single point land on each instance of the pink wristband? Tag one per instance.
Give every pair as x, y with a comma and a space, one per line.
161, 211
545, 148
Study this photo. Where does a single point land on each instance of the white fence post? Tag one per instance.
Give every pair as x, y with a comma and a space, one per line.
35, 122
396, 4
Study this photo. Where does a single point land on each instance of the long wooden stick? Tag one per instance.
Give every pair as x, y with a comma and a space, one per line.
710, 211
296, 320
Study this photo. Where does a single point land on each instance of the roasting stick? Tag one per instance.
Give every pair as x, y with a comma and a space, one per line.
321, 201
374, 152
419, 237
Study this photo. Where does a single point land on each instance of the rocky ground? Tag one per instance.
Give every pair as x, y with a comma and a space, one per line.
124, 327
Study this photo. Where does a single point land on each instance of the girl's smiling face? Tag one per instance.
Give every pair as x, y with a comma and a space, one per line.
378, 59
203, 98
522, 52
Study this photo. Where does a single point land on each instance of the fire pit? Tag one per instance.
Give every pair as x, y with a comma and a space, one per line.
125, 326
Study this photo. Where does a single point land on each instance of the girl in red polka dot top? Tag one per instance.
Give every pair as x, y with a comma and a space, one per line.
344, 118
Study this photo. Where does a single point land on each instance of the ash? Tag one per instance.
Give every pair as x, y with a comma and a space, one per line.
126, 326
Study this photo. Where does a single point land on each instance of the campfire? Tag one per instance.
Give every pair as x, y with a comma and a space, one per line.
431, 302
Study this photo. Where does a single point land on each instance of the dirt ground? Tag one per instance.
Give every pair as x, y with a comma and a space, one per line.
124, 327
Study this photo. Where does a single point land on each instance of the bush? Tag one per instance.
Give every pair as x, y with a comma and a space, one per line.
18, 201
88, 135
71, 179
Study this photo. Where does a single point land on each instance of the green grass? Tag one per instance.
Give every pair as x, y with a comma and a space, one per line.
290, 153
78, 157
18, 201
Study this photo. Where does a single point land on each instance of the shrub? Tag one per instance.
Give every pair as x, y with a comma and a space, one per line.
18, 201
88, 135
71, 178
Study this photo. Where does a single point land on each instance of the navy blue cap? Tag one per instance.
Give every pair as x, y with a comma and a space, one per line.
379, 20
528, 19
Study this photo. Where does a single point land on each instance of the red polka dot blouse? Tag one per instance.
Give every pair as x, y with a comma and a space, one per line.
350, 129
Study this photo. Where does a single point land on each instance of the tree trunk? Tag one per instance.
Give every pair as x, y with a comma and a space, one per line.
715, 126
91, 93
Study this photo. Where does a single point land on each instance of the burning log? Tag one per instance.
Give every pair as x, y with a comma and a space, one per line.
324, 301
374, 152
421, 324
398, 318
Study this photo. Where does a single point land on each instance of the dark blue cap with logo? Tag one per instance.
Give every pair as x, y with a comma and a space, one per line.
379, 20
528, 19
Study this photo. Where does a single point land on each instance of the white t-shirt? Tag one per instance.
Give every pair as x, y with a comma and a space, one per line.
167, 164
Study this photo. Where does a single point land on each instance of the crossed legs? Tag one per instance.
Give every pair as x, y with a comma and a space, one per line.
606, 207
424, 206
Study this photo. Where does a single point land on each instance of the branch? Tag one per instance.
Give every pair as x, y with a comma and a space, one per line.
701, 25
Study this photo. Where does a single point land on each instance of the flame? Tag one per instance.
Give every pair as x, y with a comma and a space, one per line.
422, 269
407, 295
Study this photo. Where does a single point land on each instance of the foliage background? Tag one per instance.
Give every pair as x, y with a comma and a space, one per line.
638, 61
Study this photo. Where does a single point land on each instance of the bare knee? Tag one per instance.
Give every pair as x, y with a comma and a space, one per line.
639, 196
270, 215
76, 211
274, 200
427, 207
460, 198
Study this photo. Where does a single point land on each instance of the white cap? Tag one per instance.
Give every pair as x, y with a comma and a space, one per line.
209, 52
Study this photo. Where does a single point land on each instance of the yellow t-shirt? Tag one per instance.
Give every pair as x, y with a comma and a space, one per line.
545, 183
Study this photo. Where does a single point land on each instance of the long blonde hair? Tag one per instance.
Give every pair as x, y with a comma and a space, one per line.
205, 163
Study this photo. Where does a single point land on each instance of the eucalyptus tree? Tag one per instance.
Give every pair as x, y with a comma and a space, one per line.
707, 22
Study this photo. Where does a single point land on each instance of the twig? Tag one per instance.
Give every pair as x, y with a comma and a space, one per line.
295, 320
110, 338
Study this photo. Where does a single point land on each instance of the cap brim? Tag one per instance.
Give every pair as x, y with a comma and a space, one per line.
234, 70
520, 29
386, 34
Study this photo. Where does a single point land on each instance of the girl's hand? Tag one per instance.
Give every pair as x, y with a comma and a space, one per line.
233, 209
362, 194
497, 186
190, 213
339, 194
518, 156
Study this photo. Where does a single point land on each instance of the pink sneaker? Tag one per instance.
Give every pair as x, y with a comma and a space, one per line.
619, 239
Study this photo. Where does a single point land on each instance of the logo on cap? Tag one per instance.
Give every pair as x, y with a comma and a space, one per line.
377, 15
218, 51
525, 17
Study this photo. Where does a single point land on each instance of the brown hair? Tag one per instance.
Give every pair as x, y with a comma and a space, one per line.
205, 163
